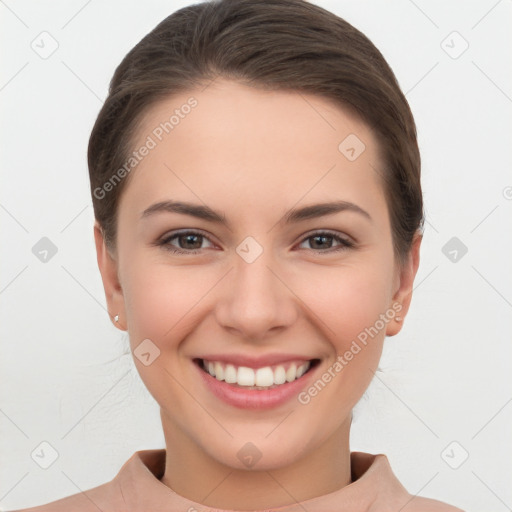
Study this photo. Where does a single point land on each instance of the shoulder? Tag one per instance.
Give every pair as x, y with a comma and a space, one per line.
419, 504
105, 497
390, 493
138, 478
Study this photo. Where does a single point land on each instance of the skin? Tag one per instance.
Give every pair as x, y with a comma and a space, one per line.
253, 155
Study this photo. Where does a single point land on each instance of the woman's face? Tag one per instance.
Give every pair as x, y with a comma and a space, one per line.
252, 280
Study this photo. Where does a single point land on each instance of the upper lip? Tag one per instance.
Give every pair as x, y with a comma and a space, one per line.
255, 361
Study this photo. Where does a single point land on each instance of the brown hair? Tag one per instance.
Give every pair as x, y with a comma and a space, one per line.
274, 44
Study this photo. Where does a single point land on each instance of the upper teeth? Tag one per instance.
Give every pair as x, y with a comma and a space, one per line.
266, 376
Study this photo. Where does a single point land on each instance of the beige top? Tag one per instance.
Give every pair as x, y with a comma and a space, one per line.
137, 488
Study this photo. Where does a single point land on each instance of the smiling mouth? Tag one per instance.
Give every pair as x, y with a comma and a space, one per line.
267, 377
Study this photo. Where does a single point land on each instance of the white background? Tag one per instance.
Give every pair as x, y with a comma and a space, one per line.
66, 375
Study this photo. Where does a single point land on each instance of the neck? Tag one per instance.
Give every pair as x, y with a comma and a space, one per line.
195, 475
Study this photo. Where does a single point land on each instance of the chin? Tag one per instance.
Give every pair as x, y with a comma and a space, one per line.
259, 452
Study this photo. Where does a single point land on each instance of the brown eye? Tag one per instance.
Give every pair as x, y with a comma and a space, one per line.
188, 242
323, 242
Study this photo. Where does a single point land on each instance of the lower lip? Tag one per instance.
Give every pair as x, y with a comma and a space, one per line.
255, 398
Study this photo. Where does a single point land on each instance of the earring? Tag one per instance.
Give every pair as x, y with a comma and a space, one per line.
116, 318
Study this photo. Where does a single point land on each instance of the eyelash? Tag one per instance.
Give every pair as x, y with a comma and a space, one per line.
344, 243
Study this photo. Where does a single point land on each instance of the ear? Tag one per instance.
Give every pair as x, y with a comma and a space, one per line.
405, 279
109, 275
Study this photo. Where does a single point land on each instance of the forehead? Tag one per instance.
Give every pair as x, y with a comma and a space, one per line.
234, 141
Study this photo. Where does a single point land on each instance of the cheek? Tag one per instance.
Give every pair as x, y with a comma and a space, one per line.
347, 300
163, 304
348, 303
160, 300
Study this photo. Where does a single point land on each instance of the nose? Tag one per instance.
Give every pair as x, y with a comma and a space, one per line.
255, 299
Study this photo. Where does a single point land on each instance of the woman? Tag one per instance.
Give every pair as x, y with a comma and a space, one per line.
255, 177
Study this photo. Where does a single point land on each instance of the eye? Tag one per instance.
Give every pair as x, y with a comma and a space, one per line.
189, 242
323, 240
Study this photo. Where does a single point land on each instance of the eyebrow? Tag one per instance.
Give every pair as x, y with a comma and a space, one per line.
291, 216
